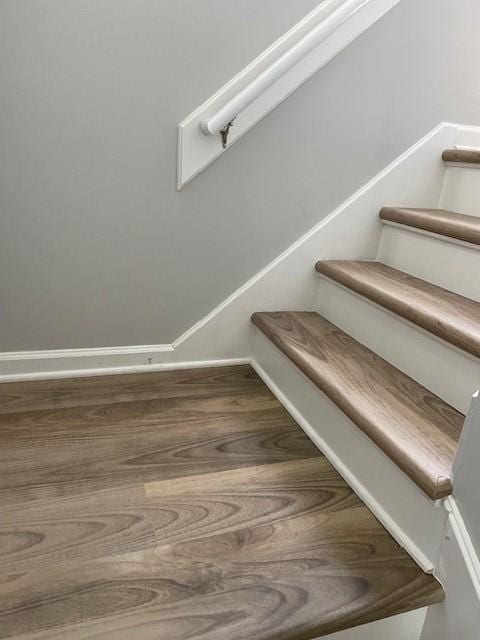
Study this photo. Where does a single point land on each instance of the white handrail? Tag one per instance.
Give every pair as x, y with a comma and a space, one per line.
224, 116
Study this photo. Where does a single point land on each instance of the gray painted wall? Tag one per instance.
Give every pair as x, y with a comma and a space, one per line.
96, 246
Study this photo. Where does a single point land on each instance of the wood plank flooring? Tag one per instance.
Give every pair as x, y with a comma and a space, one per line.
182, 505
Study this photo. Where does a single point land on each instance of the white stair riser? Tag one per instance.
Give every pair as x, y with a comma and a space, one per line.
459, 616
445, 370
461, 190
447, 263
410, 516
407, 626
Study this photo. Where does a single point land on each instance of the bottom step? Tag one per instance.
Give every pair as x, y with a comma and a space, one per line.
416, 429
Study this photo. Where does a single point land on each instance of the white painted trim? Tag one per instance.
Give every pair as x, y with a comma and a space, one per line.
431, 234
375, 507
471, 559
110, 371
84, 353
459, 615
402, 319
463, 165
405, 626
458, 569
461, 189
351, 231
35, 364
339, 13
468, 130
197, 150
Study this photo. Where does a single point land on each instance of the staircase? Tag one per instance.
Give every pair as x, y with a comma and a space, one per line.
187, 504
380, 372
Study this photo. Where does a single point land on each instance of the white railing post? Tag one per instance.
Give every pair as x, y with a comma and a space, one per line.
466, 472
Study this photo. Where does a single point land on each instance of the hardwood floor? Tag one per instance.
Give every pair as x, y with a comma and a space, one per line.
444, 223
182, 505
448, 315
464, 156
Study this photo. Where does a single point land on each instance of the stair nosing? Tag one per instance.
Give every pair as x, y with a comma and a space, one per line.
452, 229
437, 484
434, 324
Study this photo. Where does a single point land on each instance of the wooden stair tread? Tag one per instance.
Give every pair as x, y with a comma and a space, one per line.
235, 526
463, 156
416, 429
439, 221
448, 315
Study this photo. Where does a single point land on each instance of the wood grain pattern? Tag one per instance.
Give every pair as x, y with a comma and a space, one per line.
417, 430
102, 390
154, 439
445, 223
448, 315
200, 513
463, 156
